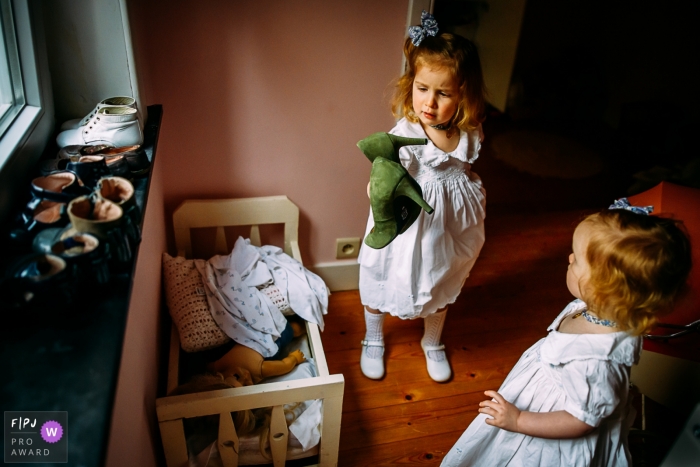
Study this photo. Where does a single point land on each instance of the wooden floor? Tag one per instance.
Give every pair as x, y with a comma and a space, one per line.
515, 291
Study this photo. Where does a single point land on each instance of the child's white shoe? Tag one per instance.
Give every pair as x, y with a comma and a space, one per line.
438, 371
114, 126
373, 368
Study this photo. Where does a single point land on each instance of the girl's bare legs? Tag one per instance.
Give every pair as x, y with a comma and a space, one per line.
436, 360
372, 358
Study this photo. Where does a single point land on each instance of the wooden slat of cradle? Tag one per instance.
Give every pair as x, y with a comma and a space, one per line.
183, 241
317, 349
220, 245
330, 431
249, 397
279, 435
173, 435
173, 359
255, 235
295, 251
225, 212
228, 443
245, 211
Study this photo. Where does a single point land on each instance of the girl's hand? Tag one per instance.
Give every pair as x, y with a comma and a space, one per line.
505, 415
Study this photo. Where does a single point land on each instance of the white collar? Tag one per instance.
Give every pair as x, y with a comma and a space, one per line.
558, 347
467, 150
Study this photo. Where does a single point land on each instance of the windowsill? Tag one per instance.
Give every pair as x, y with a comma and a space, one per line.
71, 362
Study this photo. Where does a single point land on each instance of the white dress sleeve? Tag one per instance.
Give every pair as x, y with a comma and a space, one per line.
593, 388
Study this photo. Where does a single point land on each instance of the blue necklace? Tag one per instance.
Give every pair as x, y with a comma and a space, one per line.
595, 320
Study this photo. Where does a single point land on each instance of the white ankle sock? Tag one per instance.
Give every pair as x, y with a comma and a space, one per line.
433, 331
375, 332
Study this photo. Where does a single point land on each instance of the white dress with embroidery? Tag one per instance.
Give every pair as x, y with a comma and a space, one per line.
424, 268
586, 375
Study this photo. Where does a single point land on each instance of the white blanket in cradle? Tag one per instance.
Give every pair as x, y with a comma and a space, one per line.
246, 314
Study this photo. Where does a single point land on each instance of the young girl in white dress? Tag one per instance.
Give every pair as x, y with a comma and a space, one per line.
566, 400
441, 98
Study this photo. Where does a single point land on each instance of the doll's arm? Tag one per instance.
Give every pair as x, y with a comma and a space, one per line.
551, 425
284, 366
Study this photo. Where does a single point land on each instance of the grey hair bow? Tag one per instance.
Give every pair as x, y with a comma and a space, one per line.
428, 27
623, 203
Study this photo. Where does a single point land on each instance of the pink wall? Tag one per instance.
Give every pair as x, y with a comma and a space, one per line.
134, 436
269, 97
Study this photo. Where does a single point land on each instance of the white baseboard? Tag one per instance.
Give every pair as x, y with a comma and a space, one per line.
339, 275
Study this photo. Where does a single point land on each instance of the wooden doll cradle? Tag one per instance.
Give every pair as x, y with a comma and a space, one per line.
172, 410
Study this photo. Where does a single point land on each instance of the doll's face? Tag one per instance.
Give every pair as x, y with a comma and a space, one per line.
435, 95
579, 270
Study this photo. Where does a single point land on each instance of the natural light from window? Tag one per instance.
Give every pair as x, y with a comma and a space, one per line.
11, 89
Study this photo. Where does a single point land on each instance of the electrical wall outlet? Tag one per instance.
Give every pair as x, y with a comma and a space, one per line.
347, 248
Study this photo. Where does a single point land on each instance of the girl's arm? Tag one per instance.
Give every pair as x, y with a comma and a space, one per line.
552, 425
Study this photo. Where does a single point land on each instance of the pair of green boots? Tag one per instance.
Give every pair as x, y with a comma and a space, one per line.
395, 197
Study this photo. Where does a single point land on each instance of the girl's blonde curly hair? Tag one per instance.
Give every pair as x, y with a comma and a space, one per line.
639, 265
460, 57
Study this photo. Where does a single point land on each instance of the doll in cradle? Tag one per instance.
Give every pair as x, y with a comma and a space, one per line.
259, 367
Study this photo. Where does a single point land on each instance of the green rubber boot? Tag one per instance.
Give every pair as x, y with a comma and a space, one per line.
396, 200
386, 145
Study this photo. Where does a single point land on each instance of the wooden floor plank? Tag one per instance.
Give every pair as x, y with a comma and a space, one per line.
514, 292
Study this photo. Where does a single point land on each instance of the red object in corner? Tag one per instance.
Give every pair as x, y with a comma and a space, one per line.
683, 203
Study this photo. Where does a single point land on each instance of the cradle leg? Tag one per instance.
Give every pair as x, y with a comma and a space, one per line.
330, 430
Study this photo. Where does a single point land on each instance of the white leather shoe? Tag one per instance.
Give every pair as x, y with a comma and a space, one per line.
373, 368
116, 126
119, 101
438, 371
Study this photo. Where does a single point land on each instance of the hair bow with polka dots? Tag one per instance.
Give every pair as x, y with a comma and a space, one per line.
623, 203
428, 27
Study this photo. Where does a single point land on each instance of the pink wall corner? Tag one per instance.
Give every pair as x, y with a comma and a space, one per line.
134, 437
269, 98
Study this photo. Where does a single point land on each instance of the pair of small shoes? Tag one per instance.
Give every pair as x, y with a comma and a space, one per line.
438, 371
39, 280
373, 368
47, 207
128, 161
118, 101
116, 126
85, 253
135, 156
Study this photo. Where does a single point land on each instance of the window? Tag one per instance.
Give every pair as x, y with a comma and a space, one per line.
26, 118
11, 90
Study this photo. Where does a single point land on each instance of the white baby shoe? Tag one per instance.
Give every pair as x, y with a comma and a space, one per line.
373, 368
119, 101
439, 371
115, 126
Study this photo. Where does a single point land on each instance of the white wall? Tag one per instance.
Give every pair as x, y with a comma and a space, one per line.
90, 57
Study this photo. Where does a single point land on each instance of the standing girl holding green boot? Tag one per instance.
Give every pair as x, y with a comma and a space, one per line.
422, 271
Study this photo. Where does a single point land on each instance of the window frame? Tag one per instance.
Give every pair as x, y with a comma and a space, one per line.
34, 76
25, 139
